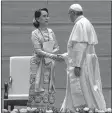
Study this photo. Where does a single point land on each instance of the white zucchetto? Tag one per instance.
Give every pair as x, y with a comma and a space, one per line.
76, 7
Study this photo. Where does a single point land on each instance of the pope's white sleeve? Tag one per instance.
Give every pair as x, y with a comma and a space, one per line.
78, 53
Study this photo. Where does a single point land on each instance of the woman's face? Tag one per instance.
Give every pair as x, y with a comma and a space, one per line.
43, 19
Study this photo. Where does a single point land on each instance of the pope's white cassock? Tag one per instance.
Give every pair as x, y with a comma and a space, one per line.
86, 89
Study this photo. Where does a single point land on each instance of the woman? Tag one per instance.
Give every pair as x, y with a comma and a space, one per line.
42, 65
84, 86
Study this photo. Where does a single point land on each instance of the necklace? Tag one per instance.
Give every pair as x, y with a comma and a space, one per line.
43, 35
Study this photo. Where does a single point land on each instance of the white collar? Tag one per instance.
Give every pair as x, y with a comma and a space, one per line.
78, 18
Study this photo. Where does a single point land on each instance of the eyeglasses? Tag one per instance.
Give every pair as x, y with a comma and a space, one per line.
70, 12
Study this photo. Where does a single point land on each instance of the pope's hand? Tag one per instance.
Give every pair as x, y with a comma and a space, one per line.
56, 57
65, 55
60, 57
77, 71
53, 56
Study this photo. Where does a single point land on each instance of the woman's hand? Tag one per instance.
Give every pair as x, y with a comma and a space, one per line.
57, 57
55, 50
60, 57
53, 56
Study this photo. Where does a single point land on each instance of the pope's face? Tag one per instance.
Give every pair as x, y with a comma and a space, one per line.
72, 16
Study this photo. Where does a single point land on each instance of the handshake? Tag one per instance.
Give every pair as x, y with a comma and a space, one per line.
59, 57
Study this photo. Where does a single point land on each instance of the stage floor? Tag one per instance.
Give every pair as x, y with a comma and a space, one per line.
60, 93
